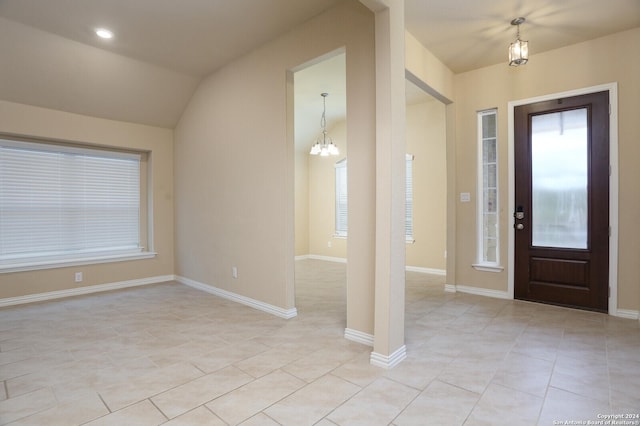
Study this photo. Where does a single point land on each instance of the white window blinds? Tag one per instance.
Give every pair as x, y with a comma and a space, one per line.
61, 202
409, 199
341, 198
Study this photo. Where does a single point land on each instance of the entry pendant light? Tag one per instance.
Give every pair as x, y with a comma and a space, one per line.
324, 145
519, 49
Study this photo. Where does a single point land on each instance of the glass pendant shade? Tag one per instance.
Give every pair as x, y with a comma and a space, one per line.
519, 49
518, 53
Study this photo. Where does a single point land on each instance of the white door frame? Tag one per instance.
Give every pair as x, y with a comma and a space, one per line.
612, 88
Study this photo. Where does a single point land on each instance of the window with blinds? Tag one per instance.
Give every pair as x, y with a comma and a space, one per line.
341, 198
60, 202
408, 224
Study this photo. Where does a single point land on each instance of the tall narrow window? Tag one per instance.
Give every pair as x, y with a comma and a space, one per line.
64, 203
341, 198
488, 221
409, 199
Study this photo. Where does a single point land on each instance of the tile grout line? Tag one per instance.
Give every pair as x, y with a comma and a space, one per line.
209, 410
158, 408
105, 404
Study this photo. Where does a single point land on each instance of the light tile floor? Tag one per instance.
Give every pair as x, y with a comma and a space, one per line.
170, 354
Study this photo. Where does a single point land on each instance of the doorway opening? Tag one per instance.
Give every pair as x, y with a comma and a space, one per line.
426, 200
317, 236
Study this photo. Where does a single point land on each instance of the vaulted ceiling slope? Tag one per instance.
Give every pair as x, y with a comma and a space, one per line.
148, 72
163, 48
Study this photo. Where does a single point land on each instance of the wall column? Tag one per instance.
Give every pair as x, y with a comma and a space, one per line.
389, 348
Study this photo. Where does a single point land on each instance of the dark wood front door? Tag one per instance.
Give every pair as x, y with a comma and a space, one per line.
562, 201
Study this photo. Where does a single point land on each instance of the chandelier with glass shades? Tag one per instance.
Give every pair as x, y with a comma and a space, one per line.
324, 145
519, 49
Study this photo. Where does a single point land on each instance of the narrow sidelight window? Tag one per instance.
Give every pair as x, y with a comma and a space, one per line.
488, 221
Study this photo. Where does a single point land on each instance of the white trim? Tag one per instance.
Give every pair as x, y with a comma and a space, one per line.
243, 300
480, 199
627, 313
496, 294
326, 258
65, 263
612, 88
389, 361
487, 267
358, 336
433, 271
41, 297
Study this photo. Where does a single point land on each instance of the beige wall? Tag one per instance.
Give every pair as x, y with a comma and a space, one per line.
301, 176
426, 141
18, 119
425, 70
615, 58
235, 197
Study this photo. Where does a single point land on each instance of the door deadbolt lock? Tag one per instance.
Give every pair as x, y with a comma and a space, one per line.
519, 213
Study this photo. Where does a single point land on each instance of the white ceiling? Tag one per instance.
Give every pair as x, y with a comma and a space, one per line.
471, 34
189, 36
163, 48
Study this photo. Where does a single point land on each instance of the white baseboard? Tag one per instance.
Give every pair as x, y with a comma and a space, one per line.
358, 336
325, 258
422, 270
452, 288
389, 361
79, 291
497, 294
243, 300
626, 313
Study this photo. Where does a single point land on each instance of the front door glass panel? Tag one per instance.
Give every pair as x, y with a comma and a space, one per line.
559, 179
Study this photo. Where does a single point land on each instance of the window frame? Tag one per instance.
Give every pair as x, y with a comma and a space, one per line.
409, 205
483, 188
40, 260
341, 217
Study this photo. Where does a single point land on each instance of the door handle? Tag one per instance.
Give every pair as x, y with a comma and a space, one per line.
519, 226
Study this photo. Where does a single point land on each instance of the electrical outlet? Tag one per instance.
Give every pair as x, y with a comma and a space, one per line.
234, 272
329, 244
78, 277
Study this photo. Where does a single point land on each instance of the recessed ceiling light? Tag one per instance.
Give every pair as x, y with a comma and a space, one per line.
104, 33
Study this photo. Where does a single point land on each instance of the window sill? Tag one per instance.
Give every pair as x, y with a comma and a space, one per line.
80, 261
487, 267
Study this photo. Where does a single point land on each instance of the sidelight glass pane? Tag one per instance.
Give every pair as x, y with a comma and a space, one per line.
488, 196
559, 179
